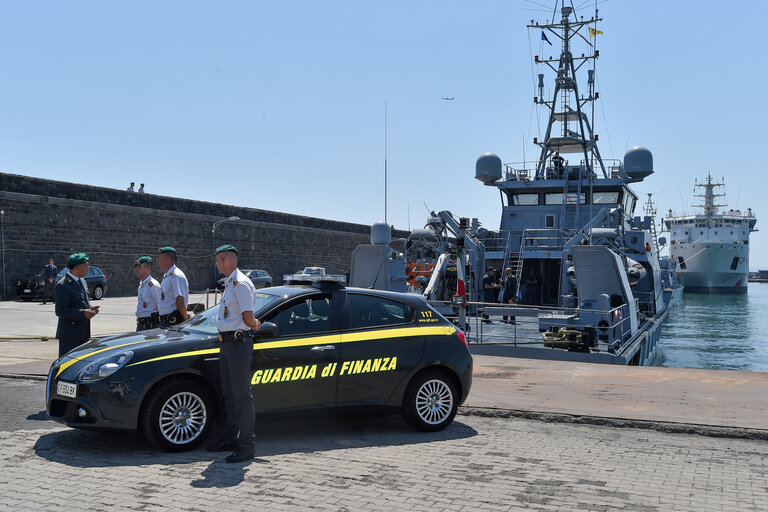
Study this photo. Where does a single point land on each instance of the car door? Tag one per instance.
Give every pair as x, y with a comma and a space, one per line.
380, 346
296, 368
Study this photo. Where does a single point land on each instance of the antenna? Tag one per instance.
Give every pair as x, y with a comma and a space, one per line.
385, 161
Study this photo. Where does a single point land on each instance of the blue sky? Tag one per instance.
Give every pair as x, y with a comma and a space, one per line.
280, 104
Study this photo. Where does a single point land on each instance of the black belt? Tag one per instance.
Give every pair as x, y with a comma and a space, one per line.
148, 320
237, 335
172, 318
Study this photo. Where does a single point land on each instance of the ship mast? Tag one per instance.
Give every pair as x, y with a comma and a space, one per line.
566, 107
709, 206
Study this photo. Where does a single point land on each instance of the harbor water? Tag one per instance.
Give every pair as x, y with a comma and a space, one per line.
718, 331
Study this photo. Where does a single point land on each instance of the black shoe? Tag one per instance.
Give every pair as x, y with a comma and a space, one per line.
241, 454
225, 445
43, 303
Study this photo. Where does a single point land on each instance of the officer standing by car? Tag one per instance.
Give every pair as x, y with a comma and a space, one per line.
235, 323
49, 272
73, 306
147, 316
174, 290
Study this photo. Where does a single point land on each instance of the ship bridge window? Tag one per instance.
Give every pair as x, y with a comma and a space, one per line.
524, 199
570, 198
605, 197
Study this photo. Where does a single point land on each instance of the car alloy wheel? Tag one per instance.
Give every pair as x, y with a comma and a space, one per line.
177, 415
431, 401
182, 418
98, 292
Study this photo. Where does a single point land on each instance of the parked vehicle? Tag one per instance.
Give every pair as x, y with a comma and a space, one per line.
32, 287
259, 278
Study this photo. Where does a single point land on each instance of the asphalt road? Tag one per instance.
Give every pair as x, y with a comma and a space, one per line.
22, 405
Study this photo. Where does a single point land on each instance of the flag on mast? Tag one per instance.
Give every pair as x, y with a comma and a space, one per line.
460, 287
545, 38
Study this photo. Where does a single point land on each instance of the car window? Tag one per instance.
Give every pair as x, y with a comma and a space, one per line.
370, 311
206, 322
308, 316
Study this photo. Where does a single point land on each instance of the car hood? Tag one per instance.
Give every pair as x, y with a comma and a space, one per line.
157, 340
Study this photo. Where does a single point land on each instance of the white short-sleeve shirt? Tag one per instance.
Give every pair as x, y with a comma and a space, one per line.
239, 295
149, 297
174, 285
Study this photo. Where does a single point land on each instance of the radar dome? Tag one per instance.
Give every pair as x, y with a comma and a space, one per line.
380, 233
638, 163
488, 168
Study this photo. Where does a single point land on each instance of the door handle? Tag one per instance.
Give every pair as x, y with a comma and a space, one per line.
323, 348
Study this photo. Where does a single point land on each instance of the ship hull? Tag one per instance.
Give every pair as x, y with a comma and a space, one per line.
712, 268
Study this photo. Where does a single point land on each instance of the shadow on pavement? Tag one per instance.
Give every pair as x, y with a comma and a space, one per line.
274, 436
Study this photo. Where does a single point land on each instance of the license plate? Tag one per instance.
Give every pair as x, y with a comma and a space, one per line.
66, 389
27, 291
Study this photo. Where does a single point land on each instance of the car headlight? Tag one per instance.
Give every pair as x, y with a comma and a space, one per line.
105, 367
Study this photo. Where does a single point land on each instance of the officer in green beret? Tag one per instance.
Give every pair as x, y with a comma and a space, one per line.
174, 290
235, 324
73, 305
147, 316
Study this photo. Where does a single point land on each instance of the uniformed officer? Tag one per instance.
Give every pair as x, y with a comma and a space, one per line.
235, 323
147, 316
49, 272
73, 306
174, 290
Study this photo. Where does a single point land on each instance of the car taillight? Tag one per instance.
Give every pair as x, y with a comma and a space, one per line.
462, 337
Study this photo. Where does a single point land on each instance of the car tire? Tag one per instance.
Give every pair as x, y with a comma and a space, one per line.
177, 416
26, 299
431, 401
98, 292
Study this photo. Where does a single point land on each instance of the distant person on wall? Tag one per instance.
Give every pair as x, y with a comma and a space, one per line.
141, 189
130, 189
49, 272
73, 306
174, 290
147, 316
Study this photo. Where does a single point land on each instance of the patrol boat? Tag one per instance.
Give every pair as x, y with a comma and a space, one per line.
711, 249
587, 265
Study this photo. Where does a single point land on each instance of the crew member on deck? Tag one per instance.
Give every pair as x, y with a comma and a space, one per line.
147, 316
174, 290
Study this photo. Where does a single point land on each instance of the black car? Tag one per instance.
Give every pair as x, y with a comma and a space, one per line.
321, 346
30, 288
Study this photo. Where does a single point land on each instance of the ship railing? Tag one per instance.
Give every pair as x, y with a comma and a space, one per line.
548, 239
520, 171
491, 323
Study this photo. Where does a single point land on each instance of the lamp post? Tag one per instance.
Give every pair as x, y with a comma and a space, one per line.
2, 237
213, 240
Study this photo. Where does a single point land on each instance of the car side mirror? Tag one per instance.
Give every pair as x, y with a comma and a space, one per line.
267, 330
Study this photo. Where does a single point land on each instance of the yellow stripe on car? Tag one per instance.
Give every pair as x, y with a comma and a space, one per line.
349, 337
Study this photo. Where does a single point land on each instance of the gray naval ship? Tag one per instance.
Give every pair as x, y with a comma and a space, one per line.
586, 263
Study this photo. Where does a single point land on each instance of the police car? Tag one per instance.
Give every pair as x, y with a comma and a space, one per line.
321, 345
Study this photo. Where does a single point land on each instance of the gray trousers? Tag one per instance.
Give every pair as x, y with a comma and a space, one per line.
235, 370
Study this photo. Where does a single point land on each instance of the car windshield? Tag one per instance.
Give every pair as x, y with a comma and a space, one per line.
205, 322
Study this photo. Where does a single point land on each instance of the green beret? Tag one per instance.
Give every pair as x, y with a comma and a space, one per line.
76, 259
227, 248
166, 249
143, 259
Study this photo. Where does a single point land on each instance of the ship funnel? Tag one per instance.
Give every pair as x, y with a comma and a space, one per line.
381, 234
488, 168
638, 163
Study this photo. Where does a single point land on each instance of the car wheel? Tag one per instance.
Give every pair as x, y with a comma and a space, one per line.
98, 292
431, 401
26, 299
177, 416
